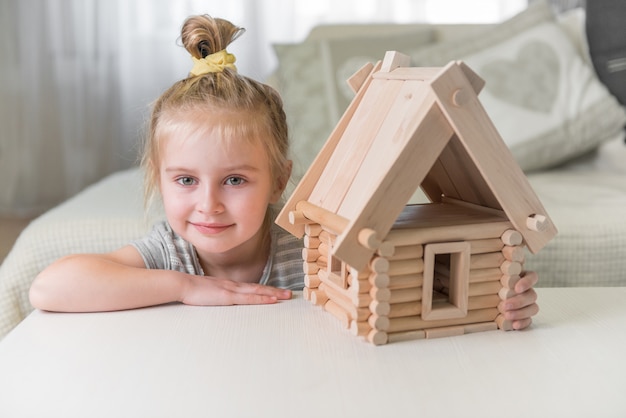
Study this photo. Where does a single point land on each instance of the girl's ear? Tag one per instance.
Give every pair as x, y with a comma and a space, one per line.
281, 183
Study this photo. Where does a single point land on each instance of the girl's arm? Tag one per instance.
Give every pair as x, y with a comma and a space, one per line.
119, 280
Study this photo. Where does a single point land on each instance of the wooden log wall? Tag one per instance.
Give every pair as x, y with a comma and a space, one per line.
383, 302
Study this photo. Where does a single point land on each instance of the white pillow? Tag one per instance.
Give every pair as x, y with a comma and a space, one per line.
544, 99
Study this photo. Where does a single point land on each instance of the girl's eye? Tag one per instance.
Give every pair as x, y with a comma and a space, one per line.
186, 181
234, 181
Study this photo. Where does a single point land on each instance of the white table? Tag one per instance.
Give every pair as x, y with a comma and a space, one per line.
293, 360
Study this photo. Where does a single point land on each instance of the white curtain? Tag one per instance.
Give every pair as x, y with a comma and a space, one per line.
77, 76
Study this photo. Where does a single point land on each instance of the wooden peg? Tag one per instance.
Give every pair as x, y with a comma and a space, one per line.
379, 265
460, 97
369, 239
386, 249
506, 293
318, 297
378, 322
511, 268
511, 237
360, 329
312, 230
379, 308
445, 332
536, 222
377, 337
312, 281
513, 253
504, 324
509, 280
406, 336
297, 218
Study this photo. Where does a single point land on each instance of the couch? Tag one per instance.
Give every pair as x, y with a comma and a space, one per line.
562, 124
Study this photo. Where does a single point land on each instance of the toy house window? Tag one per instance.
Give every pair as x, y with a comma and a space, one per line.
336, 269
446, 280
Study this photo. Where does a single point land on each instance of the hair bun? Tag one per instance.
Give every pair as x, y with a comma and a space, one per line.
203, 35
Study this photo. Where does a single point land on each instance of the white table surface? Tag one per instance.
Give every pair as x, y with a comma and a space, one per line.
293, 360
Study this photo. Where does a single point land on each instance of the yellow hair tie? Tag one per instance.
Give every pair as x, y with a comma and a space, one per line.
214, 63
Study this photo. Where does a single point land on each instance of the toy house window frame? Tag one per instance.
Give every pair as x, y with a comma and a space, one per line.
457, 304
335, 268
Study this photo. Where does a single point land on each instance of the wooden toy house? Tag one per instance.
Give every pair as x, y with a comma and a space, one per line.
391, 271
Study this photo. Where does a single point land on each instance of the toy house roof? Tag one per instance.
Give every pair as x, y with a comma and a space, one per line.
406, 128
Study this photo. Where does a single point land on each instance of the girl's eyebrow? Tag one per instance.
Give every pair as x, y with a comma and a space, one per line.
242, 167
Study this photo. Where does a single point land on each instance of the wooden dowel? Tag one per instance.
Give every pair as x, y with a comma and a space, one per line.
379, 265
408, 252
488, 245
406, 336
310, 268
379, 308
511, 237
312, 230
310, 254
410, 323
448, 331
311, 242
369, 239
489, 260
380, 293
405, 281
386, 249
338, 313
506, 293
360, 329
401, 267
379, 279
318, 297
484, 288
345, 302
322, 216
402, 237
482, 302
380, 323
377, 337
327, 238
480, 327
398, 310
511, 268
504, 324
484, 275
538, 223
323, 249
513, 253
359, 286
312, 281
412, 294
510, 281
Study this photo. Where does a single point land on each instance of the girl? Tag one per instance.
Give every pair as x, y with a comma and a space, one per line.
216, 153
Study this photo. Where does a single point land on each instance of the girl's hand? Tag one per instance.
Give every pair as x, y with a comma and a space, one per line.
205, 291
520, 308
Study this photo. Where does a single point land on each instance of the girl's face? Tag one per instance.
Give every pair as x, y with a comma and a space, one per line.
216, 192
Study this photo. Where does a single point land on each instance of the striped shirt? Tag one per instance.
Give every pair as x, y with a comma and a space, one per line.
164, 249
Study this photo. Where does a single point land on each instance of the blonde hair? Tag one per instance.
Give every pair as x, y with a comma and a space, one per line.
219, 93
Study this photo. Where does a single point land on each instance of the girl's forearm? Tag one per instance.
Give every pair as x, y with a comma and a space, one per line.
88, 283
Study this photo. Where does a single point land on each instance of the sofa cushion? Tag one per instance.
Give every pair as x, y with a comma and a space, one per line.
545, 100
312, 80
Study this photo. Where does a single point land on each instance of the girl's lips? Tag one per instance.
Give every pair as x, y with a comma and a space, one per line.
210, 229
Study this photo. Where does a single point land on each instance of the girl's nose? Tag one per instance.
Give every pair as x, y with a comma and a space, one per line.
210, 202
